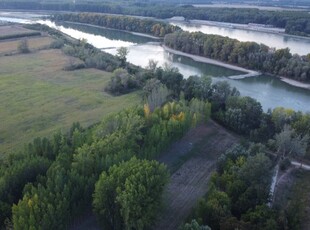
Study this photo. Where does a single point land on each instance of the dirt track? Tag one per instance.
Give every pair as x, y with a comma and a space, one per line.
190, 182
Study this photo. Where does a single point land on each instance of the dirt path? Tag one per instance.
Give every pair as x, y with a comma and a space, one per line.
202, 146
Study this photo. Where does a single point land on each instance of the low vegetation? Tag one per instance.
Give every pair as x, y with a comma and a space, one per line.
40, 97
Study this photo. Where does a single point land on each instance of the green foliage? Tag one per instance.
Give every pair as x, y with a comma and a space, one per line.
84, 154
193, 225
197, 87
240, 185
121, 82
247, 54
122, 53
243, 114
57, 44
128, 196
289, 144
156, 28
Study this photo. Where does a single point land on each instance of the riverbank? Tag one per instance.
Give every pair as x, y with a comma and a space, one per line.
295, 83
108, 28
249, 73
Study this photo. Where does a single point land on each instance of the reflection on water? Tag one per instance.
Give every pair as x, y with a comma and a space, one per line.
296, 45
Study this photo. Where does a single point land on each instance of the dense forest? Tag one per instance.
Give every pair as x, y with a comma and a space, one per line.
246, 54
54, 181
109, 167
294, 22
147, 26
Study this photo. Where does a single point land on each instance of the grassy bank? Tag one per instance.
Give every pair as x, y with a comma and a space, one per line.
38, 97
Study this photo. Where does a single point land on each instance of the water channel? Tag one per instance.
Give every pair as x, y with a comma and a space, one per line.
269, 91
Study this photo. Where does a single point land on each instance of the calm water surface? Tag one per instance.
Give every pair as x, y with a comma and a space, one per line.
296, 45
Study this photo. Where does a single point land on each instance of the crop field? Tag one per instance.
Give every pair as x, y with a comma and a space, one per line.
38, 97
34, 43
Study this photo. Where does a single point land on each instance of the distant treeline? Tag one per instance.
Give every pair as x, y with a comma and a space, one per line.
146, 26
246, 54
294, 22
21, 35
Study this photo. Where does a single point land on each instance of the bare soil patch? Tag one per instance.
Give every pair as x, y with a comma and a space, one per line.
201, 146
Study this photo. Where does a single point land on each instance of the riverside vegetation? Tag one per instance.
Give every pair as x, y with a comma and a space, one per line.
246, 54
294, 22
53, 180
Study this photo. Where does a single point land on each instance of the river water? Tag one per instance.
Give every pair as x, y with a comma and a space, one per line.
269, 91
276, 40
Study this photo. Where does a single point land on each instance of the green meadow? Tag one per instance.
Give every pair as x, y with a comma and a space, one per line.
38, 97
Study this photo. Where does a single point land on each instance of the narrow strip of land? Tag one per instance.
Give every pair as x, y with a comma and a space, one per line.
249, 73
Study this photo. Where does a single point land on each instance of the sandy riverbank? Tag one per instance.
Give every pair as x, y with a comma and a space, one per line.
248, 73
295, 83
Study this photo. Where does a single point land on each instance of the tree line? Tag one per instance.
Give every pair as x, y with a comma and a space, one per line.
246, 54
294, 22
147, 26
55, 179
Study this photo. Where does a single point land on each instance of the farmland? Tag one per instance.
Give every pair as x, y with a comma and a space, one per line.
38, 97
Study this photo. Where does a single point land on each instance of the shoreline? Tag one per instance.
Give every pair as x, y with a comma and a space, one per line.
276, 31
249, 73
103, 27
295, 83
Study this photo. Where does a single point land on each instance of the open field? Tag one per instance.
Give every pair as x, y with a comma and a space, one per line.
34, 43
192, 159
38, 97
9, 30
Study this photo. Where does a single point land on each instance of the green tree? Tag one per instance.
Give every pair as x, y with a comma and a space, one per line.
129, 195
122, 53
193, 225
23, 46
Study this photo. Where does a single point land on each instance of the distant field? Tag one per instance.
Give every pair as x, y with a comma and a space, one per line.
13, 29
38, 98
8, 47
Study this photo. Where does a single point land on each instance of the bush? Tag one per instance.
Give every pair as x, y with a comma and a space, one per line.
23, 46
58, 44
284, 164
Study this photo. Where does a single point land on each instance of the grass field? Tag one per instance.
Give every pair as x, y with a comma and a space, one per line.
9, 30
37, 97
34, 43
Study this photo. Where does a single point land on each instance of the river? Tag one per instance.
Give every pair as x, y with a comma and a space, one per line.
269, 91
296, 44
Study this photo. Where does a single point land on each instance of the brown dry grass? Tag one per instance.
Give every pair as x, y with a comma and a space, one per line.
34, 43
204, 145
